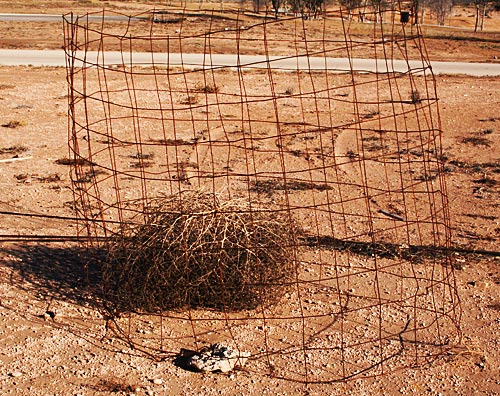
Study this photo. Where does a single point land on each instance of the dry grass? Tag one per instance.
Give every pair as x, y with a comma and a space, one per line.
72, 161
189, 100
477, 141
196, 250
14, 124
271, 185
13, 150
208, 88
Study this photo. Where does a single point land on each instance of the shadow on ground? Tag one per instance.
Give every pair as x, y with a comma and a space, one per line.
57, 271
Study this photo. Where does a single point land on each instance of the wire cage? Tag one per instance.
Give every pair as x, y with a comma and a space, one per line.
296, 161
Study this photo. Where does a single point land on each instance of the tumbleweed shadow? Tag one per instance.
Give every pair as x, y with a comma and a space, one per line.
60, 271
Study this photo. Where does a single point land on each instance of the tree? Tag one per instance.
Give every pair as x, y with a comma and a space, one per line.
350, 6
297, 6
315, 7
276, 6
256, 6
379, 7
306, 8
482, 8
441, 8
418, 10
415, 10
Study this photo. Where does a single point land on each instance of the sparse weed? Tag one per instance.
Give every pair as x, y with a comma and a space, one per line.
415, 97
13, 150
72, 161
208, 88
477, 141
14, 124
189, 100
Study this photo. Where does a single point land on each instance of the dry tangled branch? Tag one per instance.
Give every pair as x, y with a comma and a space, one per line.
195, 250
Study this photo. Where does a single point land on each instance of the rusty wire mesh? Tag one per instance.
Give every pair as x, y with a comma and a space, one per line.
293, 125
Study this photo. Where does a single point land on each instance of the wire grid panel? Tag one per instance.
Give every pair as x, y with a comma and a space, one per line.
282, 115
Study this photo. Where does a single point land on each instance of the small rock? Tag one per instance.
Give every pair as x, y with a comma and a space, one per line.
157, 381
49, 315
16, 374
218, 357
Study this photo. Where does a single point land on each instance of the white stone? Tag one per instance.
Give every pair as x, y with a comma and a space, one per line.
218, 357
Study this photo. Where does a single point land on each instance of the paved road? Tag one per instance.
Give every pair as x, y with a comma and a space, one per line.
56, 58
191, 61
57, 18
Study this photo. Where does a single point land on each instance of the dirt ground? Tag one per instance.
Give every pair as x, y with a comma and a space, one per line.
456, 41
53, 340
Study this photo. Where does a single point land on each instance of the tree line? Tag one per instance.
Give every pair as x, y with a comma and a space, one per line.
374, 10
441, 9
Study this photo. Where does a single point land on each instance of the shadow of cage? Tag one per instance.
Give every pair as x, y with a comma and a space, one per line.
254, 180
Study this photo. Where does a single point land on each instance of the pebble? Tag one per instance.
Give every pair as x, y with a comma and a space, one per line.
157, 381
16, 374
